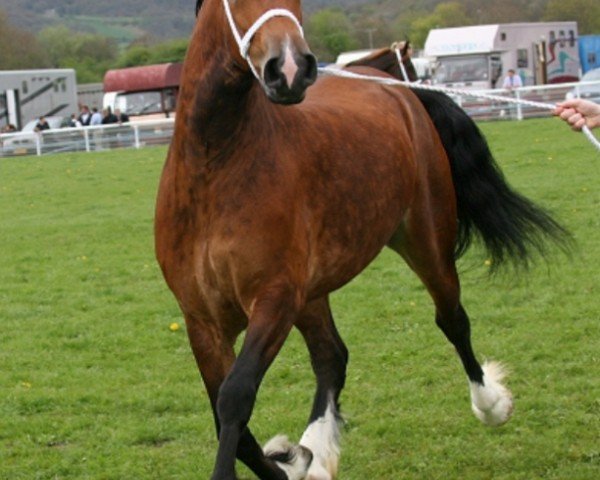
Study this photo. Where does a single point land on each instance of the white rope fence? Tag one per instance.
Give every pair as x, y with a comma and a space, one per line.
453, 91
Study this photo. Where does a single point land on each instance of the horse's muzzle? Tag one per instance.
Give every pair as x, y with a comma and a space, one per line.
287, 76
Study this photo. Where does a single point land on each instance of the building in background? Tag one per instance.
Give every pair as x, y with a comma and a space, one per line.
26, 95
479, 57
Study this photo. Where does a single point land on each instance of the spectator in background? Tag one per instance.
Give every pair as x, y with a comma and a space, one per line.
121, 116
85, 116
96, 118
42, 125
10, 128
578, 112
512, 80
108, 117
74, 122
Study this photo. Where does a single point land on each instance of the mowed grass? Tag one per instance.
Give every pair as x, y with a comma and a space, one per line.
95, 385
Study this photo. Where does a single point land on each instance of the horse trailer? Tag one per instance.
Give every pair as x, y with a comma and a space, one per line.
29, 94
479, 56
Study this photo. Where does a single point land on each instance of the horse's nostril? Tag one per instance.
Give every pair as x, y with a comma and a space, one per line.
272, 72
310, 74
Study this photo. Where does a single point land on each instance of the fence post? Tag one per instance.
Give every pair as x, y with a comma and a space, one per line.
136, 136
38, 144
86, 137
519, 107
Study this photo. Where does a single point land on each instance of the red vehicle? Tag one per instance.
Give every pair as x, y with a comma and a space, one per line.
149, 91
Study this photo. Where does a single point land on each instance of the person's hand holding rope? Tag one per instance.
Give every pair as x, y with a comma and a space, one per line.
579, 113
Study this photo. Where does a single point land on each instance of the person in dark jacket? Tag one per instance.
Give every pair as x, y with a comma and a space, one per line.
42, 125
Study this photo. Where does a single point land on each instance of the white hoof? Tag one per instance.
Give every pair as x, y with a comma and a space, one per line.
294, 460
322, 438
492, 401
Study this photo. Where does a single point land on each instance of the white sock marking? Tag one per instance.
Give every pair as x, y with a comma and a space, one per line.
321, 437
492, 401
296, 470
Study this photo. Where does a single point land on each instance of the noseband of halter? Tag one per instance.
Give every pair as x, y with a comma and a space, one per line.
245, 41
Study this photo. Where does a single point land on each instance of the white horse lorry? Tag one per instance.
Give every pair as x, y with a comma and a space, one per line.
26, 95
478, 57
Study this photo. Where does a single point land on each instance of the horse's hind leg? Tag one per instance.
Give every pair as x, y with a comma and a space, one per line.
429, 252
329, 357
215, 356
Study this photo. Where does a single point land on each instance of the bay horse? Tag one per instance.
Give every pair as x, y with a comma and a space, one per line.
278, 189
395, 60
466, 147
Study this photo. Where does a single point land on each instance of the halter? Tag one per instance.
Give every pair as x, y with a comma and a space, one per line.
400, 62
244, 42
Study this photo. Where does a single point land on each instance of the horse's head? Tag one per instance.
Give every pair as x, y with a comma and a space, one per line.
268, 36
404, 48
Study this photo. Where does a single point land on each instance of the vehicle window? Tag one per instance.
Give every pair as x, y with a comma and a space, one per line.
522, 58
461, 70
140, 103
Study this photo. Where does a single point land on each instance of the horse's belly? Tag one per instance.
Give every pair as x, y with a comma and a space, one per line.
352, 234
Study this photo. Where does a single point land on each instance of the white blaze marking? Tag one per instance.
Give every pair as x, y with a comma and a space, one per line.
289, 67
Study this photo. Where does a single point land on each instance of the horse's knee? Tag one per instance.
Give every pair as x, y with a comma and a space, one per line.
236, 401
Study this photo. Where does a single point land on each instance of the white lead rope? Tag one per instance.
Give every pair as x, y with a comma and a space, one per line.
392, 81
245, 41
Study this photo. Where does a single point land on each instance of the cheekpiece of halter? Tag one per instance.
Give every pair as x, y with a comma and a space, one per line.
396, 48
245, 41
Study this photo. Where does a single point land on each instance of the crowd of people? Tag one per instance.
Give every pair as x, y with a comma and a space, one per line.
94, 117
576, 112
87, 117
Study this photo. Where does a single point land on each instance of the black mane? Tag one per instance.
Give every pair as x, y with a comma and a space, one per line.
198, 5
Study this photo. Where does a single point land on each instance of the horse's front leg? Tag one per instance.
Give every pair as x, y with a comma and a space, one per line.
270, 322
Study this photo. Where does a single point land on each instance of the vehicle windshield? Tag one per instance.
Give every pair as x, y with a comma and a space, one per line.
466, 69
140, 103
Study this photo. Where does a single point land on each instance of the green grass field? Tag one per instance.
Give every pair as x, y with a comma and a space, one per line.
95, 385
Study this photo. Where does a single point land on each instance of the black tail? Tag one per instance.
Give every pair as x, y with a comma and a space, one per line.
510, 226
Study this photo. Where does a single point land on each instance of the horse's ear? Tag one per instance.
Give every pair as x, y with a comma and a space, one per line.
198, 6
406, 47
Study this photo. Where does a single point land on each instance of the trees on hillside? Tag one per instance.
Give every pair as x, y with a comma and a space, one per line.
585, 12
19, 49
89, 54
147, 52
330, 32
447, 14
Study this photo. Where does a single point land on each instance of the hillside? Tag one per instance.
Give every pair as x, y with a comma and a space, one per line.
127, 20
124, 20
